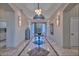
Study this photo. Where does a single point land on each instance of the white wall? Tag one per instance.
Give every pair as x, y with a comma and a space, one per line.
73, 12
20, 31
58, 30
10, 29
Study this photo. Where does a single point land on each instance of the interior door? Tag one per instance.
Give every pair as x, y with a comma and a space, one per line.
74, 31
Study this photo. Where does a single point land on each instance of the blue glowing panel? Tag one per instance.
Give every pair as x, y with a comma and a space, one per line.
32, 27
44, 29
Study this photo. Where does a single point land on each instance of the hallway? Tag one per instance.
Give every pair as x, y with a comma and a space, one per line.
39, 29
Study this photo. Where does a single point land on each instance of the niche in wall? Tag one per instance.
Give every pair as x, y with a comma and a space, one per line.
51, 29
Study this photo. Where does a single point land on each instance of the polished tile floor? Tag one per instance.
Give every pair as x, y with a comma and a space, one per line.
64, 51
28, 45
13, 51
45, 46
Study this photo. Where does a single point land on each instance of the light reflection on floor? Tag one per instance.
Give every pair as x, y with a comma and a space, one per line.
32, 46
39, 44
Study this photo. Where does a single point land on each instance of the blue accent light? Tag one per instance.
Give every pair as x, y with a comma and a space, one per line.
38, 42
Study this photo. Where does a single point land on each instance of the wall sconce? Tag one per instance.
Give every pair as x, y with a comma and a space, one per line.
19, 21
58, 20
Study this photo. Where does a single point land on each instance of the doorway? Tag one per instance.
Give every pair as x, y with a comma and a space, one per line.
3, 31
74, 31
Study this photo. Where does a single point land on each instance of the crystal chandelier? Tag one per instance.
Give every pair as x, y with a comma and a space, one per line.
38, 12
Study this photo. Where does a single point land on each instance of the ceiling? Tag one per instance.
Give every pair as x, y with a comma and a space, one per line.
48, 8
5, 6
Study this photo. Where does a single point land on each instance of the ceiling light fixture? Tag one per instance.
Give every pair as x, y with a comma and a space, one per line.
38, 12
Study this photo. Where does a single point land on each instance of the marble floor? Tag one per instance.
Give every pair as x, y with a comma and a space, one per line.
28, 48
2, 43
14, 51
45, 46
64, 51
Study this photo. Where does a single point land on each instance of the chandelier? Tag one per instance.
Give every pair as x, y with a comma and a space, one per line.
38, 12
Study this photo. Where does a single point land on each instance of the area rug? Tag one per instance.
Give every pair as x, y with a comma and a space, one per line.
38, 52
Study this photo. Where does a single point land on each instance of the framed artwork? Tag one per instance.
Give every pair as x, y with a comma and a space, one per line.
51, 28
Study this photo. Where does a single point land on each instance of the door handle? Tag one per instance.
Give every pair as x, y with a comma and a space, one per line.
72, 34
